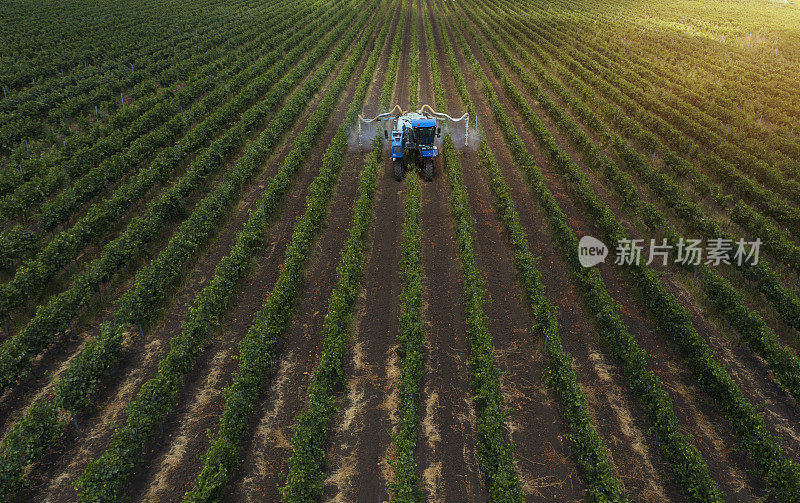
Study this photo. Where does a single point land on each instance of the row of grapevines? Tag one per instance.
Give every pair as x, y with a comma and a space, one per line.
387, 91
784, 364
433, 61
21, 122
41, 424
495, 450
687, 119
310, 432
591, 453
712, 131
782, 474
413, 57
106, 139
65, 246
590, 450
257, 349
83, 60
411, 339
305, 476
774, 148
56, 211
776, 241
150, 284
685, 460
16, 353
411, 336
742, 185
765, 278
708, 97
18, 243
104, 475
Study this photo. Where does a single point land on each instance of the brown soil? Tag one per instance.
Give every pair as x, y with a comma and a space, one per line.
175, 469
63, 279
446, 448
750, 371
139, 361
357, 468
535, 423
617, 414
713, 437
360, 445
52, 360
263, 471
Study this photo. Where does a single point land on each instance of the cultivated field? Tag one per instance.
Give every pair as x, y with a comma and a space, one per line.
213, 288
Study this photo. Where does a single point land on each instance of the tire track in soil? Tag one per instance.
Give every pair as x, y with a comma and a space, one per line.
446, 448
304, 341
425, 52
615, 411
52, 361
263, 468
360, 442
52, 476
729, 468
535, 423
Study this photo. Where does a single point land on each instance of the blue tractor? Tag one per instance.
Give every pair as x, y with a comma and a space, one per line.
412, 138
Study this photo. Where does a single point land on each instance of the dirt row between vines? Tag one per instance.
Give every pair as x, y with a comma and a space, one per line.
360, 437
200, 397
63, 279
750, 371
265, 453
730, 468
67, 344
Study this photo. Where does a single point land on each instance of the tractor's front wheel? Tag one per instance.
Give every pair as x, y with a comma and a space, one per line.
427, 171
399, 170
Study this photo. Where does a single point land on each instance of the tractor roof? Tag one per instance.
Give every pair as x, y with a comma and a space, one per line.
425, 122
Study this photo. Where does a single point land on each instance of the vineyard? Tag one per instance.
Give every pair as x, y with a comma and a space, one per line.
212, 287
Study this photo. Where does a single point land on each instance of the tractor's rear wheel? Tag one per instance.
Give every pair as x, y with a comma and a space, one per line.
428, 170
399, 170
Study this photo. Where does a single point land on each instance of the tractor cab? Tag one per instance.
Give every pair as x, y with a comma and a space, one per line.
423, 133
414, 131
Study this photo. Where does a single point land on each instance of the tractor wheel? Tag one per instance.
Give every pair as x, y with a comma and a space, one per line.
399, 170
428, 171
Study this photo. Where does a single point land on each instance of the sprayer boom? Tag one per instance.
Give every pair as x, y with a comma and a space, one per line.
425, 111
